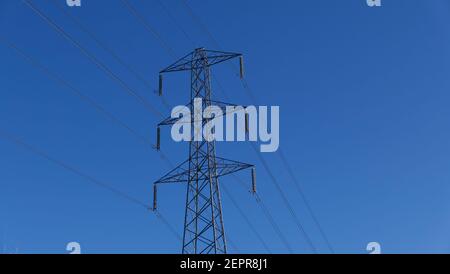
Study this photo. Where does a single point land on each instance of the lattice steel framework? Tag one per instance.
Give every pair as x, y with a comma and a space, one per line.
204, 231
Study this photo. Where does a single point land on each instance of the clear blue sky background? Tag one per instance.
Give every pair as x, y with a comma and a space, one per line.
364, 95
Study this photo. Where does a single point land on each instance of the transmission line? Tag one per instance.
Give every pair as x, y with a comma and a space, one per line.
101, 44
99, 108
267, 214
42, 154
98, 63
147, 26
108, 50
251, 95
83, 97
244, 216
118, 59
216, 44
14, 139
285, 200
60, 80
171, 52
163, 43
168, 225
169, 14
299, 189
93, 59
266, 166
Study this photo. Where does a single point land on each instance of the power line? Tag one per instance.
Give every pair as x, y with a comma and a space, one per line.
75, 91
140, 18
204, 231
116, 191
82, 96
147, 26
273, 223
188, 37
14, 139
167, 11
102, 45
168, 225
246, 219
251, 95
42, 154
200, 23
171, 52
285, 200
163, 43
107, 49
216, 44
93, 59
268, 216
98, 107
233, 245
305, 200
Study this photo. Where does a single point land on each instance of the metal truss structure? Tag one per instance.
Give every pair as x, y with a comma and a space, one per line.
204, 231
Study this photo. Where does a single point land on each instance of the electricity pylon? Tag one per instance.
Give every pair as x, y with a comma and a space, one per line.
204, 231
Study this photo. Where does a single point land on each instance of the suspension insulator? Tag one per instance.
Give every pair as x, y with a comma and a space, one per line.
158, 139
241, 66
160, 85
247, 125
254, 180
155, 197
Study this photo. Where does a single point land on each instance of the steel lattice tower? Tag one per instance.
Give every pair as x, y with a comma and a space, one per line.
204, 231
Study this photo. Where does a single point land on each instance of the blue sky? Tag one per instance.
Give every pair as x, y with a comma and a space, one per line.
363, 94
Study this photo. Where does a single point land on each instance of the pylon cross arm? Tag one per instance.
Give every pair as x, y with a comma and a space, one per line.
181, 173
169, 121
189, 62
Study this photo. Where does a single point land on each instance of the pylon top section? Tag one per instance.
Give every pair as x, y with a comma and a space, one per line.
191, 60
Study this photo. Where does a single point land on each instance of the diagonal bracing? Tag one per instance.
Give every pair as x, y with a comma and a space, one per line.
204, 231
